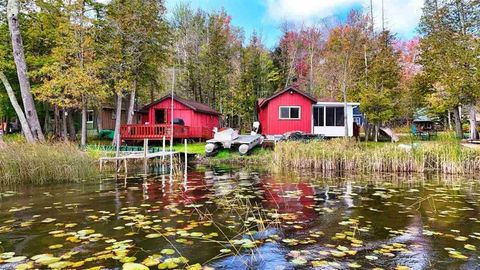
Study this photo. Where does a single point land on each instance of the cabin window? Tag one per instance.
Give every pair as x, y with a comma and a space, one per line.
319, 116
289, 112
90, 117
335, 116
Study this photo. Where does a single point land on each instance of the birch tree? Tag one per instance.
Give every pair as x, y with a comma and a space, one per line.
21, 67
18, 109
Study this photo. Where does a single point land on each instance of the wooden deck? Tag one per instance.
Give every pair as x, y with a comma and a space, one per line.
137, 155
158, 131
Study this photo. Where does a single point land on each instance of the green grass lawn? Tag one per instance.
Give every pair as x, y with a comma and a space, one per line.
192, 148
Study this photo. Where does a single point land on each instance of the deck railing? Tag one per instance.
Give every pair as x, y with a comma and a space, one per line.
158, 131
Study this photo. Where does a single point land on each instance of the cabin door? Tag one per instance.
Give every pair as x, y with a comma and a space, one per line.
160, 116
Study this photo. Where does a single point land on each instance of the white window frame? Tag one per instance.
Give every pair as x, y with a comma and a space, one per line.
93, 116
289, 112
335, 116
325, 107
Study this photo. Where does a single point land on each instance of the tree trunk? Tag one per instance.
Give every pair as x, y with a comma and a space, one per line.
83, 130
366, 128
152, 93
46, 120
449, 119
64, 126
83, 135
131, 104
118, 120
344, 92
20, 63
18, 110
72, 134
99, 115
57, 128
311, 69
473, 122
376, 133
458, 122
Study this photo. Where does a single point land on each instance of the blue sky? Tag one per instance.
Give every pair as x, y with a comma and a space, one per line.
265, 16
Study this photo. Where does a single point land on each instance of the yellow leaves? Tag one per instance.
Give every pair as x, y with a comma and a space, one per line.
15, 259
45, 259
55, 246
134, 266
167, 265
77, 264
354, 265
461, 238
457, 255
85, 232
196, 234
196, 266
128, 259
60, 265
152, 260
24, 266
338, 254
167, 251
319, 263
73, 239
153, 235
48, 220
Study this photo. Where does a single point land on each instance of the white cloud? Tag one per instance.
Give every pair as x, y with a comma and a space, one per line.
401, 16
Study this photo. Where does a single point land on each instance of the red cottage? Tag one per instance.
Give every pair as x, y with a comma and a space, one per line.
286, 110
191, 119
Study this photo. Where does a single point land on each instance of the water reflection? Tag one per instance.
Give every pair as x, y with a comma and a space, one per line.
246, 219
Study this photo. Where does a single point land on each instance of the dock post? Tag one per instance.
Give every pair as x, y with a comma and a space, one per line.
171, 156
145, 154
186, 162
163, 156
117, 152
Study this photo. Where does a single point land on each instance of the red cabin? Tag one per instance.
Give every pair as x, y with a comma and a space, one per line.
286, 110
192, 120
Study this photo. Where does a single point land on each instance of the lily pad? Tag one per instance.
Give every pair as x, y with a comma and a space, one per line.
167, 251
134, 266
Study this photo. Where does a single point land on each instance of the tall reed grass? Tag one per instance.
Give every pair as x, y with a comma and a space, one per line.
22, 163
445, 156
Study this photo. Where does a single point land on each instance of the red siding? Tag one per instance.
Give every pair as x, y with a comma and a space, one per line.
270, 122
191, 118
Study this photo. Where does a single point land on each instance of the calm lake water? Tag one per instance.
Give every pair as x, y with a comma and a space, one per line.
245, 219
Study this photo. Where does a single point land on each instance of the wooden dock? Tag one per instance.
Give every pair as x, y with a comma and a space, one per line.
136, 156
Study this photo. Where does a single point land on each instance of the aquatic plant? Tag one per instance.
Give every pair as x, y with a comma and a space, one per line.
244, 220
22, 163
445, 156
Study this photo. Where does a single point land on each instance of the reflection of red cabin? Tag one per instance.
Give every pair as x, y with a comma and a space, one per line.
276, 197
286, 110
192, 120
